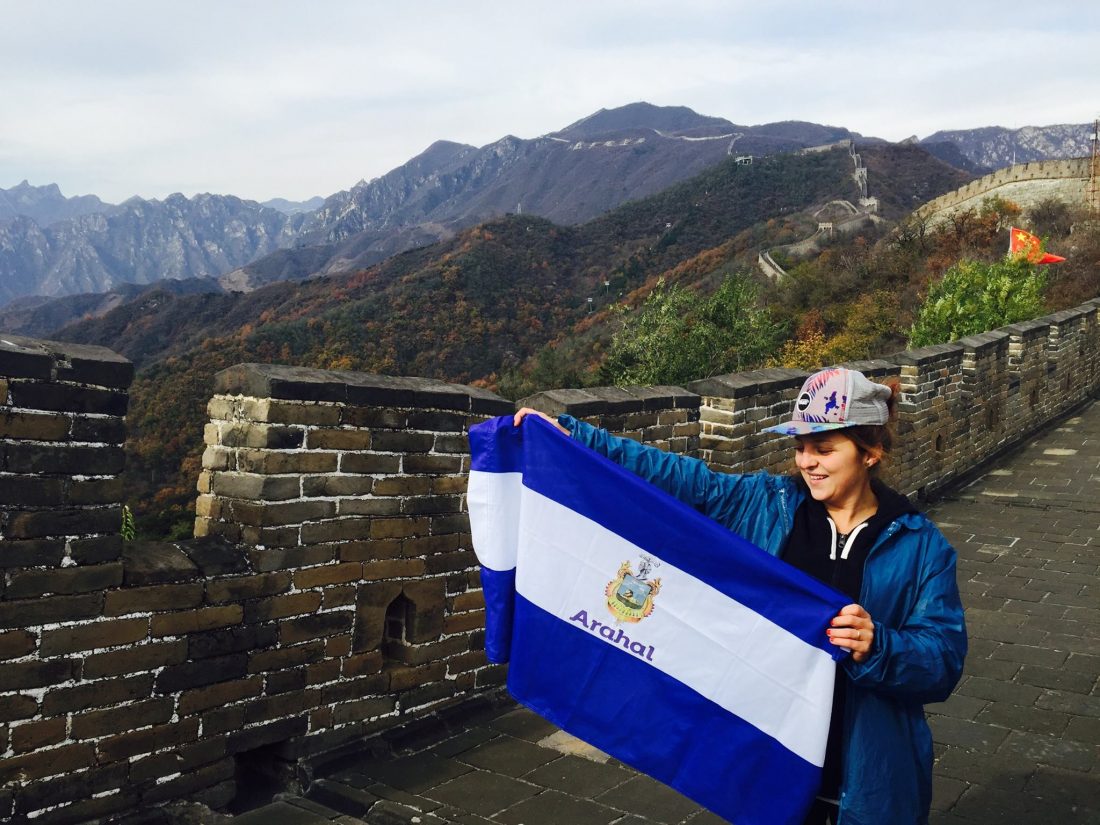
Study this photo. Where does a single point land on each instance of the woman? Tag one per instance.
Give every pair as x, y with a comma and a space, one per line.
836, 521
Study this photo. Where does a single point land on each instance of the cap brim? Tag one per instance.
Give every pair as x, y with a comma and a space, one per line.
803, 428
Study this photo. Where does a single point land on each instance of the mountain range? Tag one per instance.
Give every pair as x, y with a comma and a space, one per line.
567, 176
46, 205
461, 309
478, 306
994, 147
56, 246
294, 207
139, 241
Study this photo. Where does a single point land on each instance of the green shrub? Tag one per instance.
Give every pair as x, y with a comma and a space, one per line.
677, 335
974, 296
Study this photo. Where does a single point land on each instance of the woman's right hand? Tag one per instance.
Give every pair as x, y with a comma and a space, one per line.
526, 411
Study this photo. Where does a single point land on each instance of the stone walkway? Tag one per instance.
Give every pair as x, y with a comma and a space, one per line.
1018, 742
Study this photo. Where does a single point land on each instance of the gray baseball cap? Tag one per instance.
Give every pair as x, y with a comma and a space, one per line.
835, 398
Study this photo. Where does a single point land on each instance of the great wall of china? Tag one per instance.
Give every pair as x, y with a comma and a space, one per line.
331, 592
1025, 184
849, 218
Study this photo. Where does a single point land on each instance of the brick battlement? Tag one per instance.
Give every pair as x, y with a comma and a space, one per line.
1026, 184
331, 591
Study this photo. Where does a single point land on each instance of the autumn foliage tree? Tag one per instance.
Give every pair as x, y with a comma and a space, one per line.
868, 329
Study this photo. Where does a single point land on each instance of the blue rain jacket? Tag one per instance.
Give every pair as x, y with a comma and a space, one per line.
909, 589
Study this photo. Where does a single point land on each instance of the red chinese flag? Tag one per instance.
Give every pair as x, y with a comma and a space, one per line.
1023, 244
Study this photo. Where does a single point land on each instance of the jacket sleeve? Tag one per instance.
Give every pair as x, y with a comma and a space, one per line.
923, 659
724, 497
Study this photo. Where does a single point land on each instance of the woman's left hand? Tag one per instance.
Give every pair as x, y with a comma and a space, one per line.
853, 629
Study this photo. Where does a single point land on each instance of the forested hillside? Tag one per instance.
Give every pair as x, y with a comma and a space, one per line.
462, 310
482, 307
398, 315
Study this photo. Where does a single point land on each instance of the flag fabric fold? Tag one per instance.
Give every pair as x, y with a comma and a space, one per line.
650, 631
1022, 244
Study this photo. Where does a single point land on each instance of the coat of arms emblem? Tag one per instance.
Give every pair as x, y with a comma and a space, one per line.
630, 596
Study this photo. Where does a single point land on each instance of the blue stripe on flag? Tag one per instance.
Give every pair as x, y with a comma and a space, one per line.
496, 446
649, 720
499, 588
565, 471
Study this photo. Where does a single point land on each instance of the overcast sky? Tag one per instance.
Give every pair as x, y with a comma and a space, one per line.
279, 99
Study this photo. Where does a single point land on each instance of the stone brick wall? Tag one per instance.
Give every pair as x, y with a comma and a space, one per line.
62, 409
347, 492
666, 417
1026, 184
331, 591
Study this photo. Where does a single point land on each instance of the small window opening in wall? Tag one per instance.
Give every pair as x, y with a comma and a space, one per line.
261, 774
1033, 399
991, 417
938, 444
394, 638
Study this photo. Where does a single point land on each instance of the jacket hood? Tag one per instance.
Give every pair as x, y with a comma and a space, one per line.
892, 505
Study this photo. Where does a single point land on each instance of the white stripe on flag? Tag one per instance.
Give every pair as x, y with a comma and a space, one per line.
495, 499
724, 651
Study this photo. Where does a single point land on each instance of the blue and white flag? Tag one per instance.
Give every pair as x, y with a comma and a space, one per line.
639, 625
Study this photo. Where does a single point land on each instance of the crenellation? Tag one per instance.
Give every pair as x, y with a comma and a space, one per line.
1025, 184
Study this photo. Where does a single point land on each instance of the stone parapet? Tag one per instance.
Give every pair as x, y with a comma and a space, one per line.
663, 416
734, 410
930, 430
348, 489
61, 435
1026, 184
62, 428
333, 593
983, 401
301, 384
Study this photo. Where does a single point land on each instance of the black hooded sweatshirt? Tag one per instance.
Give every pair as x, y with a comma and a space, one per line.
815, 547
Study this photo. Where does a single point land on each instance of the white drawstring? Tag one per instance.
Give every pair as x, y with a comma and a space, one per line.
847, 544
851, 540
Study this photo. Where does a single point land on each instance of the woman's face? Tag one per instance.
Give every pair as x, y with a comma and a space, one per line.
833, 467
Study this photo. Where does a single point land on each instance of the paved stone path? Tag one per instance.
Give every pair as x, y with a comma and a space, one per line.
1018, 742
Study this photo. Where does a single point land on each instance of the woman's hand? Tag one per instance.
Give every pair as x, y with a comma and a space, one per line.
853, 629
526, 411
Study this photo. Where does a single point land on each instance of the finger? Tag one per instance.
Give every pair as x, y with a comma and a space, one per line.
858, 646
517, 419
854, 610
848, 635
850, 621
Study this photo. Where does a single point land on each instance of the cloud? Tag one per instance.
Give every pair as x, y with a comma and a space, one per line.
277, 99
